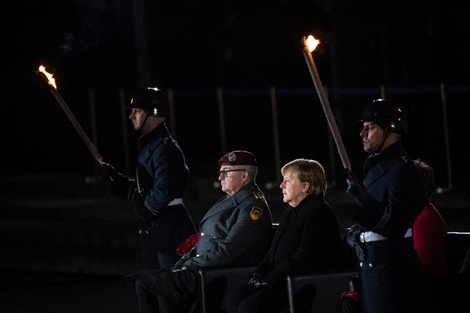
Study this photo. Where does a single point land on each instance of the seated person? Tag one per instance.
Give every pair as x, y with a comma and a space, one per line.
235, 231
307, 239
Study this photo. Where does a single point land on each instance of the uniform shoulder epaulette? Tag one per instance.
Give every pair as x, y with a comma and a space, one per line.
406, 158
167, 139
258, 195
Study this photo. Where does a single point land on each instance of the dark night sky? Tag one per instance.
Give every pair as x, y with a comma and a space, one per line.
200, 45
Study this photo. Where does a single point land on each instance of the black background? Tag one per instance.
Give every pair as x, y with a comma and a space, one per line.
194, 47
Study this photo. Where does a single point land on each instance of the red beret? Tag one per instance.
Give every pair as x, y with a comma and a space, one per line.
238, 157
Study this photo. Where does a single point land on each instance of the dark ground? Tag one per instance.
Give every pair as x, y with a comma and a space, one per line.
52, 292
66, 243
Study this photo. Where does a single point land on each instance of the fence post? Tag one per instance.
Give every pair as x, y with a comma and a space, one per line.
446, 137
171, 107
382, 92
223, 135
94, 137
277, 149
125, 131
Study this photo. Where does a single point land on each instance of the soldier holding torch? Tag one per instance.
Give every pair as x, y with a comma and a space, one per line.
392, 195
161, 180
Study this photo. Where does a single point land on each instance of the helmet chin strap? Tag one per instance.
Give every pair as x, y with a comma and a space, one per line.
145, 121
384, 138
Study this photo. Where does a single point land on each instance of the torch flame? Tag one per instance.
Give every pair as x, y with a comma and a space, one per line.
49, 76
312, 43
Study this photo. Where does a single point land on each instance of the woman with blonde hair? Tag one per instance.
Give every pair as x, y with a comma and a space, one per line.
307, 239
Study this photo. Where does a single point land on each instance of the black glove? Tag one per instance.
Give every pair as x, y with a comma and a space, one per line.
177, 266
356, 189
258, 282
107, 171
355, 243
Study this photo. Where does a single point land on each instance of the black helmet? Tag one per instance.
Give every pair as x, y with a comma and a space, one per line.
151, 99
387, 114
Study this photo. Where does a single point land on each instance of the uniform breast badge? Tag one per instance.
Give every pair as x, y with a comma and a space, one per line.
256, 213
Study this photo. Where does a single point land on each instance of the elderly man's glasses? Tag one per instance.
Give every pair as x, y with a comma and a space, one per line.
224, 173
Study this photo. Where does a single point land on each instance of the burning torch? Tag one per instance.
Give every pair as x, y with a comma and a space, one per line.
68, 112
310, 44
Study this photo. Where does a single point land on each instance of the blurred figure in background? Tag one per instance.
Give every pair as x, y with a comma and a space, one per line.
429, 230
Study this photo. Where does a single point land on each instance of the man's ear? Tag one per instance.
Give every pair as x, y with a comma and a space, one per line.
393, 136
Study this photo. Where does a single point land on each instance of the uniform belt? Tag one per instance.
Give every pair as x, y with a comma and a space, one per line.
176, 202
369, 236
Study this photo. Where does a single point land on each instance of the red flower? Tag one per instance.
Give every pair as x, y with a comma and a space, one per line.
186, 246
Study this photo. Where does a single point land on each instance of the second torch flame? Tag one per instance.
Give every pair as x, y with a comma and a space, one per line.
312, 43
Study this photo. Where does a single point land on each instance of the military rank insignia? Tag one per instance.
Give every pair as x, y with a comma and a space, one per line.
256, 213
258, 195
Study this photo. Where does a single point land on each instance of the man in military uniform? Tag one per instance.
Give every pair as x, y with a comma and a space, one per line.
389, 200
160, 182
235, 231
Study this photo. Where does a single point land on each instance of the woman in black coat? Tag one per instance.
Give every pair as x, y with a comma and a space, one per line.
307, 239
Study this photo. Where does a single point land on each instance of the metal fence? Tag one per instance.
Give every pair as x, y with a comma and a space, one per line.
280, 124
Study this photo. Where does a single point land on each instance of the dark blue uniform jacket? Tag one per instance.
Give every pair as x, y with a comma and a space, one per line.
395, 190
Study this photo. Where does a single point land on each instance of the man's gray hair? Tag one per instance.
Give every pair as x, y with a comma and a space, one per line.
252, 171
